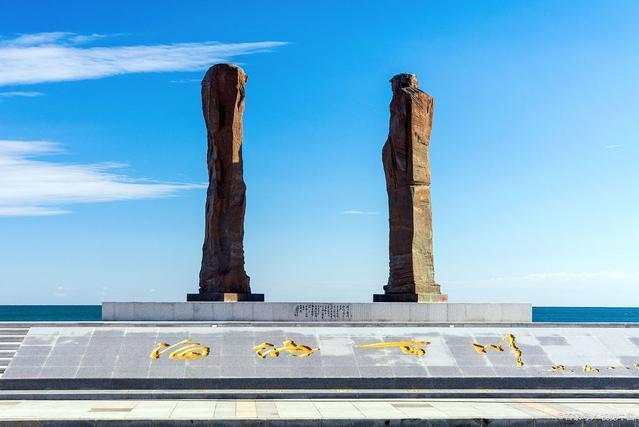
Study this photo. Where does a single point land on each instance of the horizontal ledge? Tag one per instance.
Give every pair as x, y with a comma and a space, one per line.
352, 383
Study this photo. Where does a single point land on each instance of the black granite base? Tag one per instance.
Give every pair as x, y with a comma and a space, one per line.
410, 297
224, 296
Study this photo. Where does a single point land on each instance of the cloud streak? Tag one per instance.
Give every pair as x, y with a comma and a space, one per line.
62, 56
358, 212
31, 187
20, 94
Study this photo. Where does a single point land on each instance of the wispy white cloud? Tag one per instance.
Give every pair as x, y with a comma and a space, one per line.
61, 37
19, 93
358, 212
36, 39
31, 187
185, 81
60, 56
61, 291
85, 38
613, 146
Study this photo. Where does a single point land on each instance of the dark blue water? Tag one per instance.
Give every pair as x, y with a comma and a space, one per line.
586, 314
77, 313
57, 313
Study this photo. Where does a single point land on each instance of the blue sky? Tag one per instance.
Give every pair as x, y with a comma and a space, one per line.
533, 152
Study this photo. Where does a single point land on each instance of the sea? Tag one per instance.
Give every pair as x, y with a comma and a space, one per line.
87, 313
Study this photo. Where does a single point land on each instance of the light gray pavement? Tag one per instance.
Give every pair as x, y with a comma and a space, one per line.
124, 353
475, 411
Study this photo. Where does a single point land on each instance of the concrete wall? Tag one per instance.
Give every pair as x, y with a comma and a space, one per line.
316, 312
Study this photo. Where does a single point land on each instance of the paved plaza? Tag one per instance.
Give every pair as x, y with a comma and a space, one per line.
593, 411
348, 354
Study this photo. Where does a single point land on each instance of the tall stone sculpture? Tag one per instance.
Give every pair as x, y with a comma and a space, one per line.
222, 275
407, 170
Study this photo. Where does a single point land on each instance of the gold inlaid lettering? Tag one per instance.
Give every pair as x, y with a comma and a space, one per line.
407, 347
512, 343
559, 368
188, 350
295, 350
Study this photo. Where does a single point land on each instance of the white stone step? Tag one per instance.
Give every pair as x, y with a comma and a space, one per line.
10, 345
14, 331
11, 338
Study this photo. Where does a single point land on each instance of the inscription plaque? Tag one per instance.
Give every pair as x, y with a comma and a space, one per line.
324, 311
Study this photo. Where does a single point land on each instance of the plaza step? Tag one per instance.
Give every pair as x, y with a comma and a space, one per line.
10, 345
14, 331
10, 340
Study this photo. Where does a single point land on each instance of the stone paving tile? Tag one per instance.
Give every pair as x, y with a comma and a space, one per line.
428, 413
301, 409
546, 407
444, 371
93, 372
530, 411
20, 361
58, 372
33, 350
338, 410
225, 409
266, 409
153, 409
499, 410
340, 372
245, 409
377, 409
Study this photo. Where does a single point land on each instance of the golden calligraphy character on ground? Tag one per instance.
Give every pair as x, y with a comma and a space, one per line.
588, 368
296, 350
482, 348
512, 343
407, 347
188, 350
559, 368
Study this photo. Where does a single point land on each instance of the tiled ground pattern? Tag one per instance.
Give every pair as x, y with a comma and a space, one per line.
112, 352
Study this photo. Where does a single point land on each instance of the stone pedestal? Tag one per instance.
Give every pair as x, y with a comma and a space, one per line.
225, 297
407, 169
411, 297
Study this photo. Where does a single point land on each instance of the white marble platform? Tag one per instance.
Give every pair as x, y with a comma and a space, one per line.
317, 312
